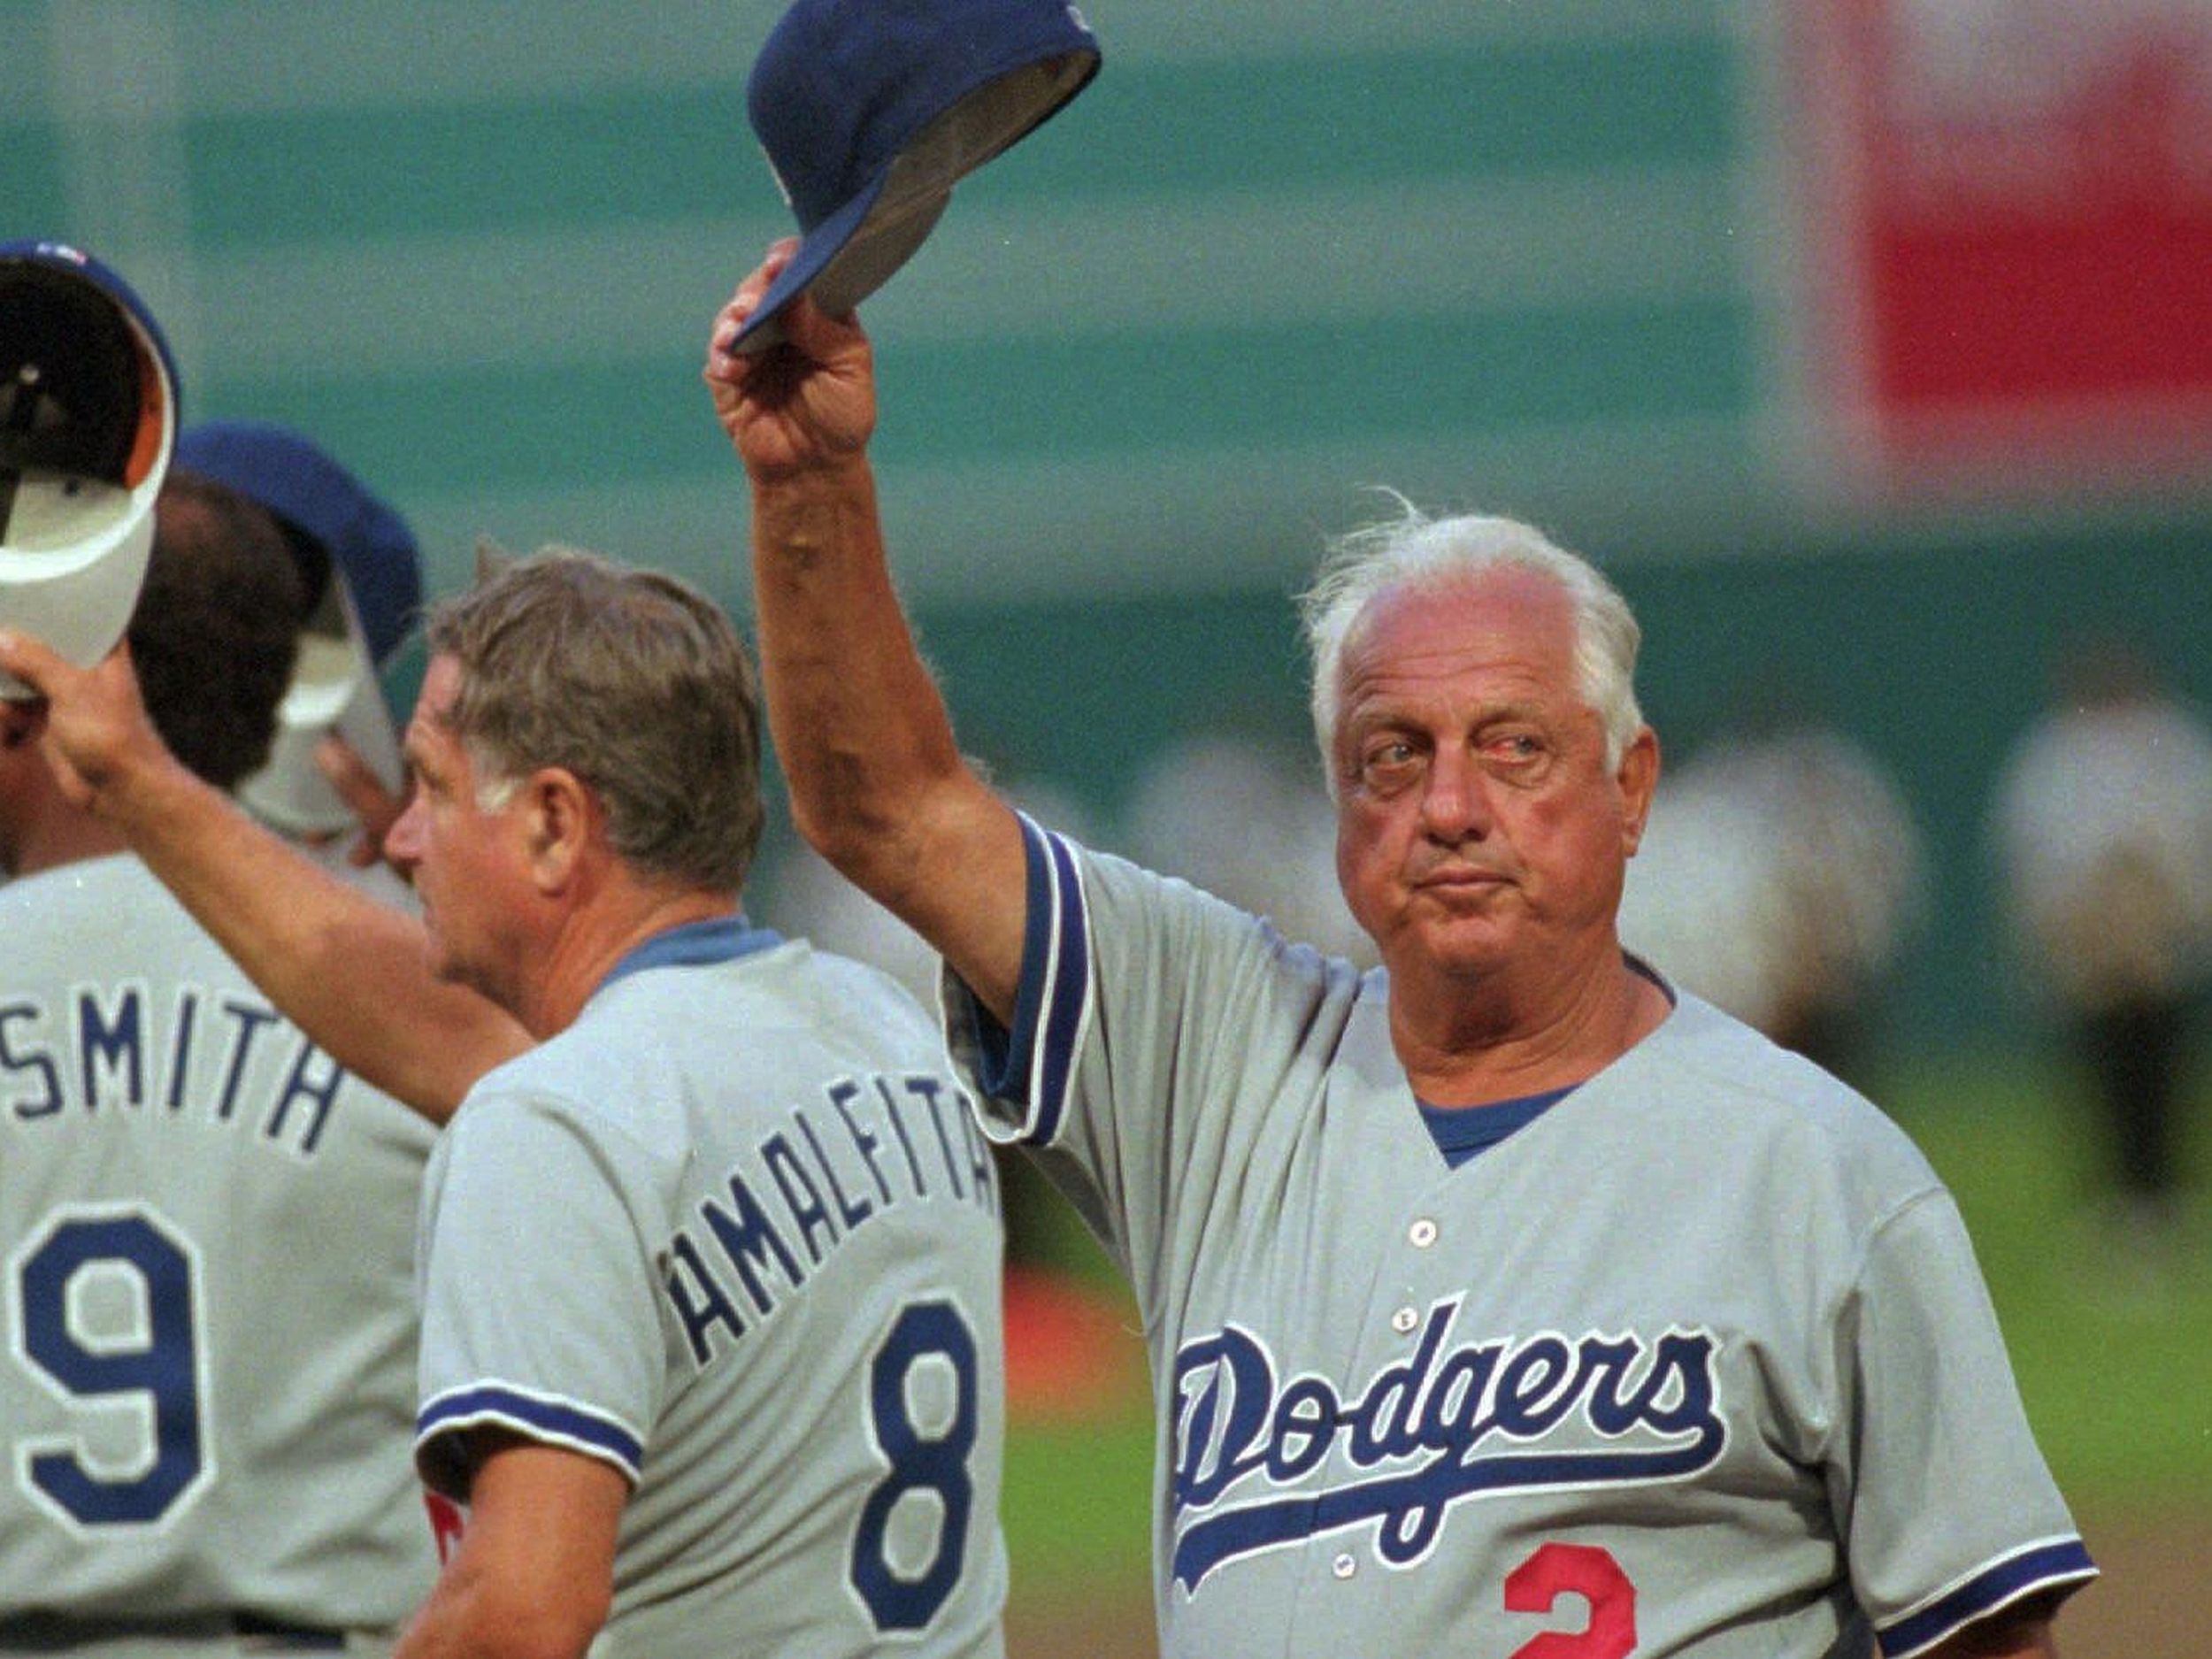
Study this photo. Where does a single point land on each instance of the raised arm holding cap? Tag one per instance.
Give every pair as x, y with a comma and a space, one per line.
877, 783
1501, 1277
349, 969
88, 434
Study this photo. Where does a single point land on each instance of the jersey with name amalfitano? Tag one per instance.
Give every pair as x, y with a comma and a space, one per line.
733, 1234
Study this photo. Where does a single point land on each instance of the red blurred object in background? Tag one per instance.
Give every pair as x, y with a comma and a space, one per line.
2010, 203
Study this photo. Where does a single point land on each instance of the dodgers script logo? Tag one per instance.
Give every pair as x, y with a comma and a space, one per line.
1441, 1426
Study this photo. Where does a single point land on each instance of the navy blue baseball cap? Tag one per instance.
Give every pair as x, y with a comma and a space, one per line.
870, 110
355, 623
370, 546
89, 405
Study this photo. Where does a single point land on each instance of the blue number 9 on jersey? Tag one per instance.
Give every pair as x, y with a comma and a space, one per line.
156, 1358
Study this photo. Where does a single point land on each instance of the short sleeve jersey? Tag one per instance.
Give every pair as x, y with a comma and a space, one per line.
733, 1234
208, 1234
1704, 1344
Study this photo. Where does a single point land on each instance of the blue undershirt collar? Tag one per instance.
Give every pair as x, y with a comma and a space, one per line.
1462, 1132
695, 945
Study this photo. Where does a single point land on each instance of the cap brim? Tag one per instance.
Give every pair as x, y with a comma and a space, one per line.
845, 259
77, 599
334, 689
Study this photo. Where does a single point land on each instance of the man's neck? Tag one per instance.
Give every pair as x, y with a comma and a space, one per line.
597, 937
1466, 1044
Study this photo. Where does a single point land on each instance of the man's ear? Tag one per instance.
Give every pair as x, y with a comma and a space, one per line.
562, 816
1639, 778
21, 721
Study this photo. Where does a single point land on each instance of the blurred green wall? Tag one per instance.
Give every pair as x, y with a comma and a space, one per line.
1538, 259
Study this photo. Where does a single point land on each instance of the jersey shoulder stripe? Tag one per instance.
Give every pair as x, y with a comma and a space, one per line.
535, 1417
2042, 1566
1055, 1003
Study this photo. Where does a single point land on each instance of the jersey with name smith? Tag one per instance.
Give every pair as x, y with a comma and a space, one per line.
207, 1230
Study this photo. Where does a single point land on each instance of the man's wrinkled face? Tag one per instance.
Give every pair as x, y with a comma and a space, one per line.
469, 864
1478, 822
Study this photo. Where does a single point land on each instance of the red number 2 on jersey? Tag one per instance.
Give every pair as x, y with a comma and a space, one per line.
1557, 1570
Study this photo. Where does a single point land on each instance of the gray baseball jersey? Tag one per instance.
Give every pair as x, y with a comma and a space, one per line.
733, 1234
1698, 1362
207, 1229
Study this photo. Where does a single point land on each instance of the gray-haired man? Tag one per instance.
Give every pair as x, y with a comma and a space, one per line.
712, 1345
1503, 1300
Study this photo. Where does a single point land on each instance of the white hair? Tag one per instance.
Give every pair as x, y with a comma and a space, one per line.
1416, 552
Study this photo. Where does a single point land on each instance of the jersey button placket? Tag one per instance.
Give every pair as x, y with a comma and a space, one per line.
1344, 1566
1421, 1235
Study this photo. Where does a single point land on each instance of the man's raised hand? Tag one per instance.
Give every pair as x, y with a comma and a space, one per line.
99, 738
805, 403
